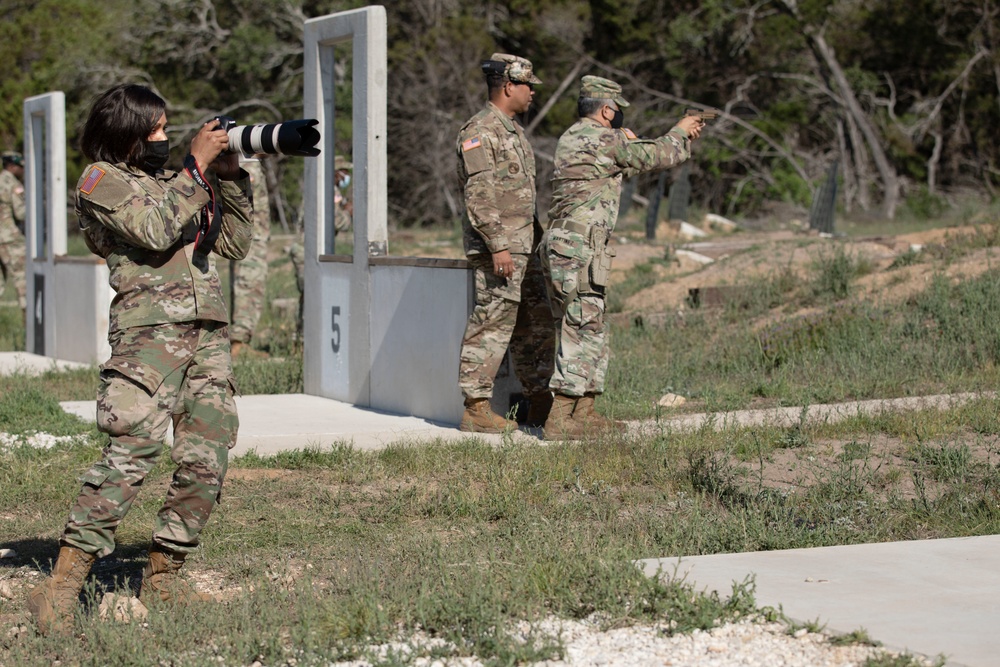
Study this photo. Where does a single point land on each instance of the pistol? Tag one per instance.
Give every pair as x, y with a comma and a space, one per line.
704, 114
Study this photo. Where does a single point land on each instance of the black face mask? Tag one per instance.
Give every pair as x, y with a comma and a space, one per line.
618, 119
156, 155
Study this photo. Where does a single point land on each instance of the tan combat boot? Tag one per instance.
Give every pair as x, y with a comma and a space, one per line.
235, 347
538, 409
480, 418
585, 410
162, 582
52, 602
564, 423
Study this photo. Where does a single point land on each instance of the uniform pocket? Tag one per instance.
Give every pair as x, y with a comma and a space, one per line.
567, 255
122, 403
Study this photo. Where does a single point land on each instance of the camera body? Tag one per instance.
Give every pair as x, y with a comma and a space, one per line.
290, 137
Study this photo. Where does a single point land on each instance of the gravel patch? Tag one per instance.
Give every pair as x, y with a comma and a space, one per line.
739, 644
38, 440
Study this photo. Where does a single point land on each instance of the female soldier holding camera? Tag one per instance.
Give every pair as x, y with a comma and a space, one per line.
170, 363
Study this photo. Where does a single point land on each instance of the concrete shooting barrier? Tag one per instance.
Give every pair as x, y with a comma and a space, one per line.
68, 297
381, 332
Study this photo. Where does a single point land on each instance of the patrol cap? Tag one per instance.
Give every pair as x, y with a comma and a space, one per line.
515, 68
598, 88
341, 162
12, 157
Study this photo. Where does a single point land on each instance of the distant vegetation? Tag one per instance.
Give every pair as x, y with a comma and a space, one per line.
903, 95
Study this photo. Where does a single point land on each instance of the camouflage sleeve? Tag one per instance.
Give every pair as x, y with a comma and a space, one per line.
135, 216
236, 234
638, 156
17, 204
479, 154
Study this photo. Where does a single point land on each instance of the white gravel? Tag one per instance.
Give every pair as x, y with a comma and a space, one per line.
739, 644
38, 440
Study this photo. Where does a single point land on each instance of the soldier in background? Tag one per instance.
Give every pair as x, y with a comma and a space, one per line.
170, 365
496, 167
591, 159
12, 225
250, 273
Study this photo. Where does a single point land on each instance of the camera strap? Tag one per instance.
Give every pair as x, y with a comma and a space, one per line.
208, 212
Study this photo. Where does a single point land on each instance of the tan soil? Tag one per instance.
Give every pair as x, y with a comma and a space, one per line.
756, 257
886, 463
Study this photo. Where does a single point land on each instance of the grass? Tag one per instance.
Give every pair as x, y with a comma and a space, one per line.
941, 340
326, 553
459, 549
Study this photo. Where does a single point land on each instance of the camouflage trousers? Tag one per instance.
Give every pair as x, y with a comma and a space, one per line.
250, 285
169, 375
297, 254
12, 268
509, 312
582, 350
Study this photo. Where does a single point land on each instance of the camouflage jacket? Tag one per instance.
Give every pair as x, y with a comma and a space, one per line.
591, 161
497, 170
145, 228
11, 208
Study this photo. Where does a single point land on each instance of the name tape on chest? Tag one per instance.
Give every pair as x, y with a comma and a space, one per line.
469, 144
93, 178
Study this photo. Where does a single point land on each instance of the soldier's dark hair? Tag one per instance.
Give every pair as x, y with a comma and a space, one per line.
588, 106
495, 83
120, 121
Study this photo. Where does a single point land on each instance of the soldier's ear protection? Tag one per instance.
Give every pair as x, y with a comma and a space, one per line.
493, 67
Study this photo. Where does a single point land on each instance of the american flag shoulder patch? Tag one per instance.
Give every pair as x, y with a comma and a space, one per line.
469, 144
93, 178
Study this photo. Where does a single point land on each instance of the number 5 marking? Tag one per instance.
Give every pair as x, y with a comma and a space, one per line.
335, 340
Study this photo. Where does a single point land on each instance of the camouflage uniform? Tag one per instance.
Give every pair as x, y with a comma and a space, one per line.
11, 238
342, 197
170, 361
496, 167
250, 274
590, 162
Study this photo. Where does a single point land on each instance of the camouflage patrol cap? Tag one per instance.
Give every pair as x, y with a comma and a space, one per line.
12, 157
517, 69
598, 88
341, 162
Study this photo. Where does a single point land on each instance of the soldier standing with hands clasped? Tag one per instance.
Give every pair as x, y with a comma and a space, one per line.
170, 363
591, 159
12, 224
250, 273
496, 167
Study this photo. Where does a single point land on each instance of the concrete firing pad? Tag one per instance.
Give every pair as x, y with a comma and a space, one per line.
271, 423
13, 363
926, 597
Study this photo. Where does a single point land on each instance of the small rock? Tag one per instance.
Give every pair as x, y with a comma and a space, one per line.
690, 231
800, 633
6, 590
696, 257
122, 608
17, 631
8, 553
671, 401
716, 221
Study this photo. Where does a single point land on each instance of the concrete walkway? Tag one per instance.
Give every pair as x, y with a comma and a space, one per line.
273, 423
927, 597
